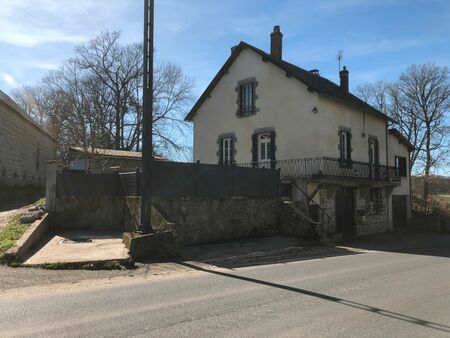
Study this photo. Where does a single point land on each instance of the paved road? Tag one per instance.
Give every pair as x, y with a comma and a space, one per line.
397, 292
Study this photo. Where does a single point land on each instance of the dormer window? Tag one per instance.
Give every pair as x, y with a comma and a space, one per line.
246, 97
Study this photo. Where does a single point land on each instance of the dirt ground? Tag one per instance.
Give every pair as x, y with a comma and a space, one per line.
5, 215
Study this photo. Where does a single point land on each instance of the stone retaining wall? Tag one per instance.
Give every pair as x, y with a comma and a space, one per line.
25, 148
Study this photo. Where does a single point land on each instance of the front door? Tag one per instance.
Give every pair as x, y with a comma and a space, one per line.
345, 212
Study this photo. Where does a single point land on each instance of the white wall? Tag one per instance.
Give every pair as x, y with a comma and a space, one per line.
399, 149
286, 105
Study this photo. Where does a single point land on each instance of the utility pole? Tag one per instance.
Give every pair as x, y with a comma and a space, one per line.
147, 120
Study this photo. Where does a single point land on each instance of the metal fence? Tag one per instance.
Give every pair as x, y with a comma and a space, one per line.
173, 179
328, 167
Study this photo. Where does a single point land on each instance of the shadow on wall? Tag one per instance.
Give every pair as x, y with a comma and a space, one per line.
17, 197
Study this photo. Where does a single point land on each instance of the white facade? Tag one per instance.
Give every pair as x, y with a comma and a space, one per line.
305, 124
286, 105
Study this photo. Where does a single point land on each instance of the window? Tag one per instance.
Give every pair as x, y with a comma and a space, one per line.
345, 147
375, 200
400, 166
264, 147
247, 98
227, 151
373, 151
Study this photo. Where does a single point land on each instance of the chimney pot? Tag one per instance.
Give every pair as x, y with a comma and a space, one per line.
276, 43
343, 75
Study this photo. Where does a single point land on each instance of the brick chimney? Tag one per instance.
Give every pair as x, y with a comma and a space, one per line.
276, 43
343, 75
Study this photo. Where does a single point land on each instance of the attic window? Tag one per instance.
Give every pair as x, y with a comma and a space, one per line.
246, 90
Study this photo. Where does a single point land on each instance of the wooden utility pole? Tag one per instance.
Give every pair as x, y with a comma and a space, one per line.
147, 119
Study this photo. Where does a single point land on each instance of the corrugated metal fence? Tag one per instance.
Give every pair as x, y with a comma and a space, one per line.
173, 179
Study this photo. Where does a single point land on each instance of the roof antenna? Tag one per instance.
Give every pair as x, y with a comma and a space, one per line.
340, 56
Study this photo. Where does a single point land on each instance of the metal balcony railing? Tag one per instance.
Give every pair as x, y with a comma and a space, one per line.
317, 167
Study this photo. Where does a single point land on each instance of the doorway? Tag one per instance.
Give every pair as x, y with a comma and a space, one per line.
399, 211
345, 212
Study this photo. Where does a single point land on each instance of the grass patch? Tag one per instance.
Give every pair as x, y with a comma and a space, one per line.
11, 233
108, 265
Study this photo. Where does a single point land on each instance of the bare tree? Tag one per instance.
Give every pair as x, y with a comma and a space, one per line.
95, 99
426, 91
420, 102
376, 94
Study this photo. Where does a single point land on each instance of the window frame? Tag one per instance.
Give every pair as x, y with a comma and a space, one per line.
246, 97
345, 147
401, 167
227, 150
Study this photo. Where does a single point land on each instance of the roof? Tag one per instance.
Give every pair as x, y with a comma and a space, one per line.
313, 81
21, 113
401, 138
125, 154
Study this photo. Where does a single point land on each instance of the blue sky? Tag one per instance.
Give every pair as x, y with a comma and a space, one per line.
379, 38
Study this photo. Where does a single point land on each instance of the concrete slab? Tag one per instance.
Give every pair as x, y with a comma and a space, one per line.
80, 247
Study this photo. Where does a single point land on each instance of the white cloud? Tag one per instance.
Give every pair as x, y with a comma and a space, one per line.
34, 22
9, 79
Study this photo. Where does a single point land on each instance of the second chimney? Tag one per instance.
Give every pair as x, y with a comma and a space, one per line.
343, 75
276, 43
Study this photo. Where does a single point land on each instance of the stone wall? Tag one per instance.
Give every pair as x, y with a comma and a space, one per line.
366, 220
202, 220
25, 148
195, 221
89, 213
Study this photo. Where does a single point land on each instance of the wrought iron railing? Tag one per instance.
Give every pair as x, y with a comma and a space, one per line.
328, 167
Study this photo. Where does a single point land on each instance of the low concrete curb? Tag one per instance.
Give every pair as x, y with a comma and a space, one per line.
31, 237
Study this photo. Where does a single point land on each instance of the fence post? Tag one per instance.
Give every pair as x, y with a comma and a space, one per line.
232, 179
138, 182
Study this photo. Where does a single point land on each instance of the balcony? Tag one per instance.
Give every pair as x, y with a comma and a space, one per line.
328, 167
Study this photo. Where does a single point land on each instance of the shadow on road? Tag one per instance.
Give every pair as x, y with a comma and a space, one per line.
262, 251
364, 307
405, 241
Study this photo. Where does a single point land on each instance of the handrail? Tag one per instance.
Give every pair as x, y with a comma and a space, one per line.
311, 200
303, 168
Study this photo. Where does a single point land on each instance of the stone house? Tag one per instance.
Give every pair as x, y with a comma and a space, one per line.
25, 149
341, 164
97, 159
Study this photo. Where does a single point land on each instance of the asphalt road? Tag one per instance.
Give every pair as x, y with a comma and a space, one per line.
387, 291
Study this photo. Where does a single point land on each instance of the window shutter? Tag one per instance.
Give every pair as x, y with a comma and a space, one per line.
272, 150
404, 170
255, 149
232, 151
221, 151
349, 146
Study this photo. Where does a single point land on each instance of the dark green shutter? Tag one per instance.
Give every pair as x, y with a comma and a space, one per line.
220, 151
255, 149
